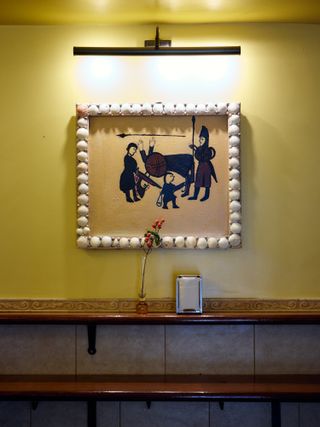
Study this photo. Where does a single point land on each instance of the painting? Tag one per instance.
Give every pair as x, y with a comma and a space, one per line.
179, 162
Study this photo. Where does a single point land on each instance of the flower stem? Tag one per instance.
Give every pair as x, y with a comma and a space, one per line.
142, 293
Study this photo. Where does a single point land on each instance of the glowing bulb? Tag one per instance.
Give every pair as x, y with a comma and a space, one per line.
100, 4
213, 4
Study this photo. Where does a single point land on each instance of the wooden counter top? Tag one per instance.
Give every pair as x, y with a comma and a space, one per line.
171, 387
160, 318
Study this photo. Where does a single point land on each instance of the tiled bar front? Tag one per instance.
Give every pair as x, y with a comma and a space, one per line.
159, 349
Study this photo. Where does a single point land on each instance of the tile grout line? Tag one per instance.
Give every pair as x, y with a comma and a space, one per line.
120, 421
254, 350
76, 350
30, 414
165, 350
209, 413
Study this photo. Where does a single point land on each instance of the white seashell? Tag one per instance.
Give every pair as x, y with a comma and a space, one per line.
93, 110
235, 206
83, 123
234, 140
142, 241
157, 109
233, 130
95, 241
234, 184
234, 120
190, 109
146, 109
115, 243
83, 242
234, 163
104, 109
179, 241
82, 167
191, 242
82, 221
235, 240
234, 108
115, 109
221, 108
234, 152
82, 178
83, 210
167, 242
124, 243
83, 199
180, 109
211, 108
235, 228
234, 195
83, 188
201, 109
169, 108
82, 110
212, 242
202, 243
126, 109
235, 217
86, 230
82, 145
136, 109
82, 156
135, 242
106, 241
80, 231
82, 133
223, 243
234, 173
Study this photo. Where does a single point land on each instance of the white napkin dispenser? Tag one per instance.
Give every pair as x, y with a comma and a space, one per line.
188, 294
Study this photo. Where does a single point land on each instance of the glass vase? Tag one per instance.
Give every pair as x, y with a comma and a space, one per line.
142, 305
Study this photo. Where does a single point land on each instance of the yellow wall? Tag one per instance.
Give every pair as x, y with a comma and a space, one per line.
277, 80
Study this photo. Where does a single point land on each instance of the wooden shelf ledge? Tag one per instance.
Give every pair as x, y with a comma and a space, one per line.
149, 387
160, 318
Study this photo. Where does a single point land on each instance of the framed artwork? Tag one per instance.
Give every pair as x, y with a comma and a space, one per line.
140, 162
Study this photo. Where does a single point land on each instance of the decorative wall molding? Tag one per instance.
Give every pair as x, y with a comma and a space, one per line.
210, 305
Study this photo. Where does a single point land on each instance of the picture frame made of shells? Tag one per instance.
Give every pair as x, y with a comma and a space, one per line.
140, 162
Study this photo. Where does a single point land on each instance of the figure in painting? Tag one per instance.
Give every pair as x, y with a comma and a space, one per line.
167, 193
143, 153
205, 169
158, 164
135, 182
128, 176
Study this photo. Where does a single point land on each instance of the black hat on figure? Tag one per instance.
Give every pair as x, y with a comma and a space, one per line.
132, 144
204, 133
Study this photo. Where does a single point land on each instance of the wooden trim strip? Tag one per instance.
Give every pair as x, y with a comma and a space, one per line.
222, 318
183, 387
163, 305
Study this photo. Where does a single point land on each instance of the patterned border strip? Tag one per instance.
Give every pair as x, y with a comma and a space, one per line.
164, 305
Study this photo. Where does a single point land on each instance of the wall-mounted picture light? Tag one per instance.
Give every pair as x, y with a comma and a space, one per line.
157, 47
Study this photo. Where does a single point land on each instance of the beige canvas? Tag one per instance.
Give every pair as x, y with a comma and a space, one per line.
110, 212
